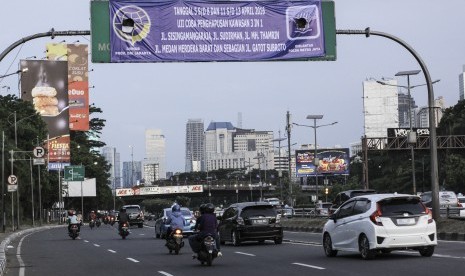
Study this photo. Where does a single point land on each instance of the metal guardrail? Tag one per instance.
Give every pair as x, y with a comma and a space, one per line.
309, 213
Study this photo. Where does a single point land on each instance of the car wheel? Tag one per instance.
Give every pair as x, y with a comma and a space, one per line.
235, 239
278, 240
427, 251
328, 246
157, 235
364, 248
140, 225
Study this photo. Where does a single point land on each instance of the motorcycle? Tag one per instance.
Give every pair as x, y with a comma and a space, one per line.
124, 230
208, 251
98, 223
74, 231
174, 241
112, 220
92, 224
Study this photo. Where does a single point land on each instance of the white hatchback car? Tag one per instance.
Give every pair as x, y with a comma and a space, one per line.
380, 223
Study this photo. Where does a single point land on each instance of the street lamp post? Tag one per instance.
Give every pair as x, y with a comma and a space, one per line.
258, 157
316, 161
411, 137
132, 165
279, 162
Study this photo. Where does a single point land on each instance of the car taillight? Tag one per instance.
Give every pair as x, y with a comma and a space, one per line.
375, 217
141, 215
240, 221
278, 218
429, 213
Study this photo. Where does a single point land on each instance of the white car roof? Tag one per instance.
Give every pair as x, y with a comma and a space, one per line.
378, 197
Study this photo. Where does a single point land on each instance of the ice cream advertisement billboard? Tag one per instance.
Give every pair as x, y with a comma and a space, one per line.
46, 86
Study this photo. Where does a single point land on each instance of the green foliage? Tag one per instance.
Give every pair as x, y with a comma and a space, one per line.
156, 206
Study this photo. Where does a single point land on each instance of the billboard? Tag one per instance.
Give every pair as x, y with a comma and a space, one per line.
177, 23
78, 80
332, 161
184, 189
152, 30
45, 85
73, 188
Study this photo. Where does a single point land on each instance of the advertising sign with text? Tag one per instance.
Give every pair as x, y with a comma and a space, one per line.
45, 85
332, 161
151, 31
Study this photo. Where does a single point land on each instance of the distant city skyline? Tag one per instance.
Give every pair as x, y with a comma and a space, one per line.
136, 97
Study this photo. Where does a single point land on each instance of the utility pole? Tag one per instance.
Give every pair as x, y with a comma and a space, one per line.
288, 128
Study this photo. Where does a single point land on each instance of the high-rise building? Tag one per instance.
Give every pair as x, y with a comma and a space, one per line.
406, 104
155, 150
227, 147
462, 84
423, 114
113, 158
132, 173
380, 107
195, 146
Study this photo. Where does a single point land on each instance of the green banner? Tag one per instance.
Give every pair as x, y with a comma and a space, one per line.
74, 173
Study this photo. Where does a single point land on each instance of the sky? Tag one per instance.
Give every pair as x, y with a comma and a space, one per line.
135, 97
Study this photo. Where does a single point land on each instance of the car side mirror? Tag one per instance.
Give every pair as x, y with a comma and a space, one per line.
333, 217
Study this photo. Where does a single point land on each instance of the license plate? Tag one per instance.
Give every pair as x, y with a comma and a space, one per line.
260, 221
406, 221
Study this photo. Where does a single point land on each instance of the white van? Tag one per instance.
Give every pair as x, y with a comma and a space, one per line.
273, 201
446, 199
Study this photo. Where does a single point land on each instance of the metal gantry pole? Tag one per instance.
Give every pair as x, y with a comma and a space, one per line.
32, 193
412, 146
432, 118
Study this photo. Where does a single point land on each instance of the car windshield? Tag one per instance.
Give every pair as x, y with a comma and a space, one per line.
426, 197
132, 210
185, 213
396, 206
257, 211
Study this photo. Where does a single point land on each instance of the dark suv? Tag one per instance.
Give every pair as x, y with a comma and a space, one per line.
136, 216
250, 221
346, 195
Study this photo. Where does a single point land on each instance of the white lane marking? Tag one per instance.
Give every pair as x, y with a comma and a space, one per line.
306, 244
18, 255
133, 260
242, 253
10, 246
310, 266
112, 251
141, 234
165, 273
86, 241
96, 245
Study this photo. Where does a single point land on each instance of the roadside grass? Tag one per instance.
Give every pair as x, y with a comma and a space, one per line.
443, 225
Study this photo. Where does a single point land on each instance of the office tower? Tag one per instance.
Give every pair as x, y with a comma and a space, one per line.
406, 104
113, 158
195, 146
227, 147
132, 173
155, 150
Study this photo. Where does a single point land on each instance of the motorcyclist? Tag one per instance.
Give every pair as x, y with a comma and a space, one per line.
122, 218
92, 215
72, 219
175, 220
206, 224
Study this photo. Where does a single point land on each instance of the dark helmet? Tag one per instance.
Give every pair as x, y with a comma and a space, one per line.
209, 208
175, 208
123, 210
202, 208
